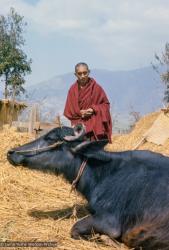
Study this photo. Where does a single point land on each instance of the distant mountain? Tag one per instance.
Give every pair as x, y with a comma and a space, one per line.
139, 90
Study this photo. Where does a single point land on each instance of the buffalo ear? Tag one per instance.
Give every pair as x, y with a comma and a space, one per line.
92, 150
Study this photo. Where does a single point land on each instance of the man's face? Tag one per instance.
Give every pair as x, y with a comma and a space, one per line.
82, 74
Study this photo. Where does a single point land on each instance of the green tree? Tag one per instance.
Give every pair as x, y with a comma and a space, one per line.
163, 61
14, 64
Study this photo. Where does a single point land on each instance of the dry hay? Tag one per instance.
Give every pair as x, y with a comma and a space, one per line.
129, 141
36, 206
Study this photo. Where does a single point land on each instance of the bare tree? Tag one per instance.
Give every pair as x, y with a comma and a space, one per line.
163, 61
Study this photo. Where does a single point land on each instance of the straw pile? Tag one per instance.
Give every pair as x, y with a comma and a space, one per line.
37, 206
129, 141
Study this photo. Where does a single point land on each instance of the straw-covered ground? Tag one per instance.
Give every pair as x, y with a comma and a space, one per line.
37, 206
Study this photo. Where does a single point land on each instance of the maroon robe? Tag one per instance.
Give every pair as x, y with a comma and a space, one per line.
90, 96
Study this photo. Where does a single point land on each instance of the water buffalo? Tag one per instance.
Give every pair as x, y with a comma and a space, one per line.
127, 192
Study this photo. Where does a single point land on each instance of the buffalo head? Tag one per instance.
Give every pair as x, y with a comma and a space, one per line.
52, 151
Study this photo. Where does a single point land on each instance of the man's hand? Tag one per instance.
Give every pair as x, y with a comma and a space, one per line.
86, 112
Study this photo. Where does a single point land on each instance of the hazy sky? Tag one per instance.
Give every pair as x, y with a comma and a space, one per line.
114, 35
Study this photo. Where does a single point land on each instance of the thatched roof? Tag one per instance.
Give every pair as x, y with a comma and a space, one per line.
9, 102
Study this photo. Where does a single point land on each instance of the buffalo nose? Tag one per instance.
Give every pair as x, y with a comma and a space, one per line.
10, 152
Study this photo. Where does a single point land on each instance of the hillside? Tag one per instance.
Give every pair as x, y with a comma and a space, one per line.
140, 89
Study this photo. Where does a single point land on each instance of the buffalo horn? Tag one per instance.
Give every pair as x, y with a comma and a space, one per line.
79, 132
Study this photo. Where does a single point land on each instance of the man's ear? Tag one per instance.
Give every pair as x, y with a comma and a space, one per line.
92, 150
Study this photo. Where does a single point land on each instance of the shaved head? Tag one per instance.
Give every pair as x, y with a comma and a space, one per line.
81, 64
